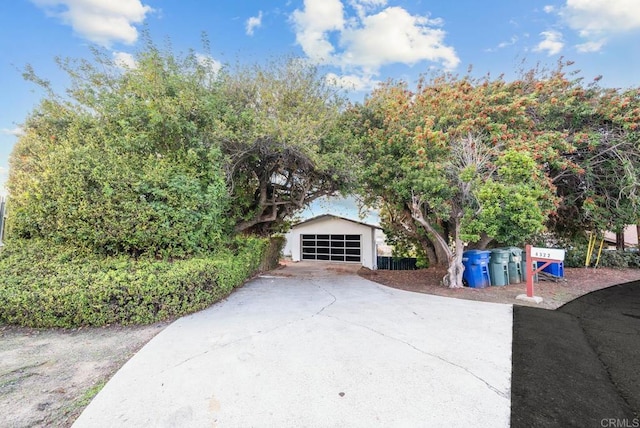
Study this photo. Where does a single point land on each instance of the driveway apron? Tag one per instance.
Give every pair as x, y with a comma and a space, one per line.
319, 349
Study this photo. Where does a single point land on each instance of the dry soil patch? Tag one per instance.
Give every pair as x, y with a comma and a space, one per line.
47, 376
577, 282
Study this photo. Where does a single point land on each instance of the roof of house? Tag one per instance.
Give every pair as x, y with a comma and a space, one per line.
326, 216
630, 236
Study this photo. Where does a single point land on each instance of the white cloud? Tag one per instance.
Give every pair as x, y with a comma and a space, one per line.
551, 42
362, 7
370, 40
395, 36
253, 23
512, 41
594, 46
352, 81
549, 9
102, 22
124, 60
597, 20
313, 25
209, 62
601, 17
17, 131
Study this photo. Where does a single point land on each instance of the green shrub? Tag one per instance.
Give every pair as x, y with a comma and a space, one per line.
46, 285
273, 253
609, 258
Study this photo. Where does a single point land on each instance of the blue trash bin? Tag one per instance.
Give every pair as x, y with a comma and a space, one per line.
476, 268
556, 269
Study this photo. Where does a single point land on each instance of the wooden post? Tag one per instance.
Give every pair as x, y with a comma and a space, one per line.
545, 255
528, 270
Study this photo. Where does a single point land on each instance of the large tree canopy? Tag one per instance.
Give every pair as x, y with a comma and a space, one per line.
462, 161
171, 156
285, 142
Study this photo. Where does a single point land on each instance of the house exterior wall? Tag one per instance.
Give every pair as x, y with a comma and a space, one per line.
333, 226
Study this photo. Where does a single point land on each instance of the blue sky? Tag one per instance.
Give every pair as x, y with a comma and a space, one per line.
358, 42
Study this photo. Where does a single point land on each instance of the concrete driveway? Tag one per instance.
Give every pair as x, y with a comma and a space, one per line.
319, 348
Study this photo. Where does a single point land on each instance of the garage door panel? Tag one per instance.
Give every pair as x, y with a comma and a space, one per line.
335, 247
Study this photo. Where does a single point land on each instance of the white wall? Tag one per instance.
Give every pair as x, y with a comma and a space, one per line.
336, 226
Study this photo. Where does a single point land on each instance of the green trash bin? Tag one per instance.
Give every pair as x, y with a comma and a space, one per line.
516, 274
499, 266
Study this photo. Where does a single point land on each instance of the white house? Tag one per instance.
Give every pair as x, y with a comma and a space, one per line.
333, 239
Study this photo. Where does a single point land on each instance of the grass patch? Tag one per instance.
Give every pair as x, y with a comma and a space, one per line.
89, 394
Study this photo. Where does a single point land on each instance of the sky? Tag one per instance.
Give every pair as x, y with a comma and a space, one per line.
355, 42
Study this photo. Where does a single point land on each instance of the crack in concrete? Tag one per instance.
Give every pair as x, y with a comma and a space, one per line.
335, 299
259, 333
502, 394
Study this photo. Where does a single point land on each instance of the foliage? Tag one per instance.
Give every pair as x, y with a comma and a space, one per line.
285, 141
598, 180
45, 285
462, 161
450, 159
575, 257
170, 156
273, 253
123, 165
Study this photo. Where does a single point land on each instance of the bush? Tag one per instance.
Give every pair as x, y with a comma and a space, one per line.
47, 285
273, 253
98, 198
609, 258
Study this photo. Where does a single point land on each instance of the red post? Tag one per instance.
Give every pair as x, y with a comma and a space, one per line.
529, 270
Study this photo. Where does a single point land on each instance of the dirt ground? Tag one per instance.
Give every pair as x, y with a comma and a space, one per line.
577, 282
48, 376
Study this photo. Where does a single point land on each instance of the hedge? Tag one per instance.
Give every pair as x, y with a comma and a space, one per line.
59, 286
609, 258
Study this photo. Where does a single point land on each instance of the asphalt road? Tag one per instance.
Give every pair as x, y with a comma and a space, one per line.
578, 366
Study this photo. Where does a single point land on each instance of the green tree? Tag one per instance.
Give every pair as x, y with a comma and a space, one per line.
597, 184
175, 153
461, 159
285, 140
125, 161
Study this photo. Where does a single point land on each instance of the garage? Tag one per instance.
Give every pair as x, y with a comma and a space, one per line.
335, 248
329, 238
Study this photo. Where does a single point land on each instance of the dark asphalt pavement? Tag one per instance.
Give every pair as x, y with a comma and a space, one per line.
578, 366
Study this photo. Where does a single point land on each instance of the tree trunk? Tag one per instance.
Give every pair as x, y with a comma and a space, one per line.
442, 253
456, 268
453, 279
434, 254
638, 233
482, 243
620, 240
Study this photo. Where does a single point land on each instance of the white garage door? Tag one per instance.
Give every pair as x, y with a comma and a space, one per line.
334, 248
